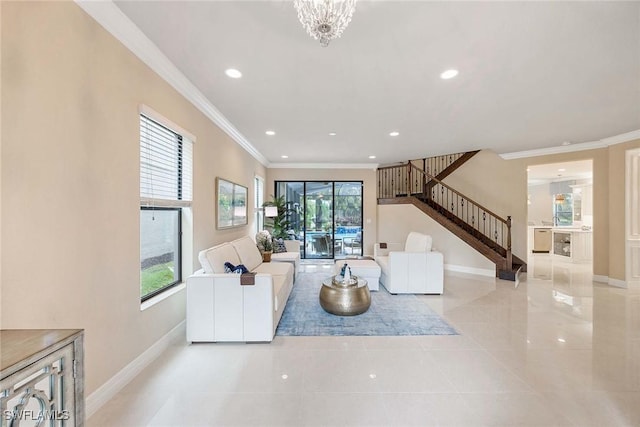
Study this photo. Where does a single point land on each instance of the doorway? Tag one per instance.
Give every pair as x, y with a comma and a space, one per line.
560, 219
326, 216
632, 228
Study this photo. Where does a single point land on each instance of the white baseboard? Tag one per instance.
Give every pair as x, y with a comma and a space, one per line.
609, 281
116, 383
470, 270
618, 283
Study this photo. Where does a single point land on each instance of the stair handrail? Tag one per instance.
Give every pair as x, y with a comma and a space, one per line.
453, 190
505, 222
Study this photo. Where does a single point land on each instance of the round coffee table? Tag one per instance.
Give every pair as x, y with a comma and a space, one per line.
345, 299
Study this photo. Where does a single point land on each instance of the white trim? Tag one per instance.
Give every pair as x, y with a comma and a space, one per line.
609, 281
632, 222
323, 166
618, 283
107, 14
116, 383
603, 143
153, 114
600, 279
162, 296
470, 270
619, 139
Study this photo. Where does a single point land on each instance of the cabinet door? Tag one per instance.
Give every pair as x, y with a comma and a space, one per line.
43, 391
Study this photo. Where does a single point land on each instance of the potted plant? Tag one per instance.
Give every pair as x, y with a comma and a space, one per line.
265, 244
279, 224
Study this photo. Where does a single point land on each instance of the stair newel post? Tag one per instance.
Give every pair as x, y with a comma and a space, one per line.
509, 254
409, 178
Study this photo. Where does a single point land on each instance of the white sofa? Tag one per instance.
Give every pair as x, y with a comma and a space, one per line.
412, 268
219, 308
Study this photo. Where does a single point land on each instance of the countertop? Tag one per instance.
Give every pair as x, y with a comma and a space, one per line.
561, 229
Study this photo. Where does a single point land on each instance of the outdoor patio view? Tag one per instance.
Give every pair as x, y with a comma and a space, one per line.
325, 216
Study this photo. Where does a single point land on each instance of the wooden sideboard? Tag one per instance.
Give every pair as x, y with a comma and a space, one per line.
42, 377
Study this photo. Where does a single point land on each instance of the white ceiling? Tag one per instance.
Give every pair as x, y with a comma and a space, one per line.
532, 74
540, 174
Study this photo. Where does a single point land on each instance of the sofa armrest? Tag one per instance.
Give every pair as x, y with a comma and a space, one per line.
292, 245
378, 251
217, 305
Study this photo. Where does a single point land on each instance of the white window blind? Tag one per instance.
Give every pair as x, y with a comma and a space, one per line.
166, 165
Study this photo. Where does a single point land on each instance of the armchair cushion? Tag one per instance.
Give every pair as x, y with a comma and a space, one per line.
418, 242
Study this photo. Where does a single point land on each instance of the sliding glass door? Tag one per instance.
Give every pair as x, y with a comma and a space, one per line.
326, 216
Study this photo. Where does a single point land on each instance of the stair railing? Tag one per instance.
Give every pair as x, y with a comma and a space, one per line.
408, 180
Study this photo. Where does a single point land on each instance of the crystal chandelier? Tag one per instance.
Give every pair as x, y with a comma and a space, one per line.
325, 20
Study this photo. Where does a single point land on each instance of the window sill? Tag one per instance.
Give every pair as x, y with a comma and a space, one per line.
161, 297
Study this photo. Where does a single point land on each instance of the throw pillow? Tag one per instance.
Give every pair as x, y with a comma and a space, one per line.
237, 269
278, 246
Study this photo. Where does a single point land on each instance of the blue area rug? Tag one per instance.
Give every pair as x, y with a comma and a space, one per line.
389, 315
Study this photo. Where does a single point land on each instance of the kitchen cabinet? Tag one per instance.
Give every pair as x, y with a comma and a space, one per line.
572, 245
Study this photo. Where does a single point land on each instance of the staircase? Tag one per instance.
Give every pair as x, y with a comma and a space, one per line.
419, 182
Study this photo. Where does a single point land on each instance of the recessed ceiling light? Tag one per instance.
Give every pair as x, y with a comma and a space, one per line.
332, 134
449, 74
372, 157
561, 170
233, 73
566, 143
394, 133
528, 170
270, 132
285, 157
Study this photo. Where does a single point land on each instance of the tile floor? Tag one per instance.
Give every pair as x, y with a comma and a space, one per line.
558, 350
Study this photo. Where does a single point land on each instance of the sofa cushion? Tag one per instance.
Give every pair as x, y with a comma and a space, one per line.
248, 252
213, 259
418, 242
286, 256
283, 269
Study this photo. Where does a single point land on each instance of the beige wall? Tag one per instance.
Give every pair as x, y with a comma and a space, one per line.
70, 184
608, 203
497, 184
396, 221
500, 186
367, 176
617, 213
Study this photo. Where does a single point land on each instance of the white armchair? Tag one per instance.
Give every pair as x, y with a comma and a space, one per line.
412, 268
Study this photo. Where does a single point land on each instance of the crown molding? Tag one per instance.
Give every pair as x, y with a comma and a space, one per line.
107, 14
603, 143
619, 139
323, 166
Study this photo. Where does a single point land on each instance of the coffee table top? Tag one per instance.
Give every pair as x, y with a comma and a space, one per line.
336, 282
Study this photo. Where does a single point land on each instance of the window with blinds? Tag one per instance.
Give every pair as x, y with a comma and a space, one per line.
166, 164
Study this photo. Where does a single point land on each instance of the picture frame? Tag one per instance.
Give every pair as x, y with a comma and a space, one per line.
231, 204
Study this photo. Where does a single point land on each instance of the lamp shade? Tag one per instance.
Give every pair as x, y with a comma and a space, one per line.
270, 211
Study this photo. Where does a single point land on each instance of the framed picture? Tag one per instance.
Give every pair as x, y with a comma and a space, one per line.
232, 204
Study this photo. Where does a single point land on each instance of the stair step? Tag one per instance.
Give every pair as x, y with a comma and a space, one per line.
511, 275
